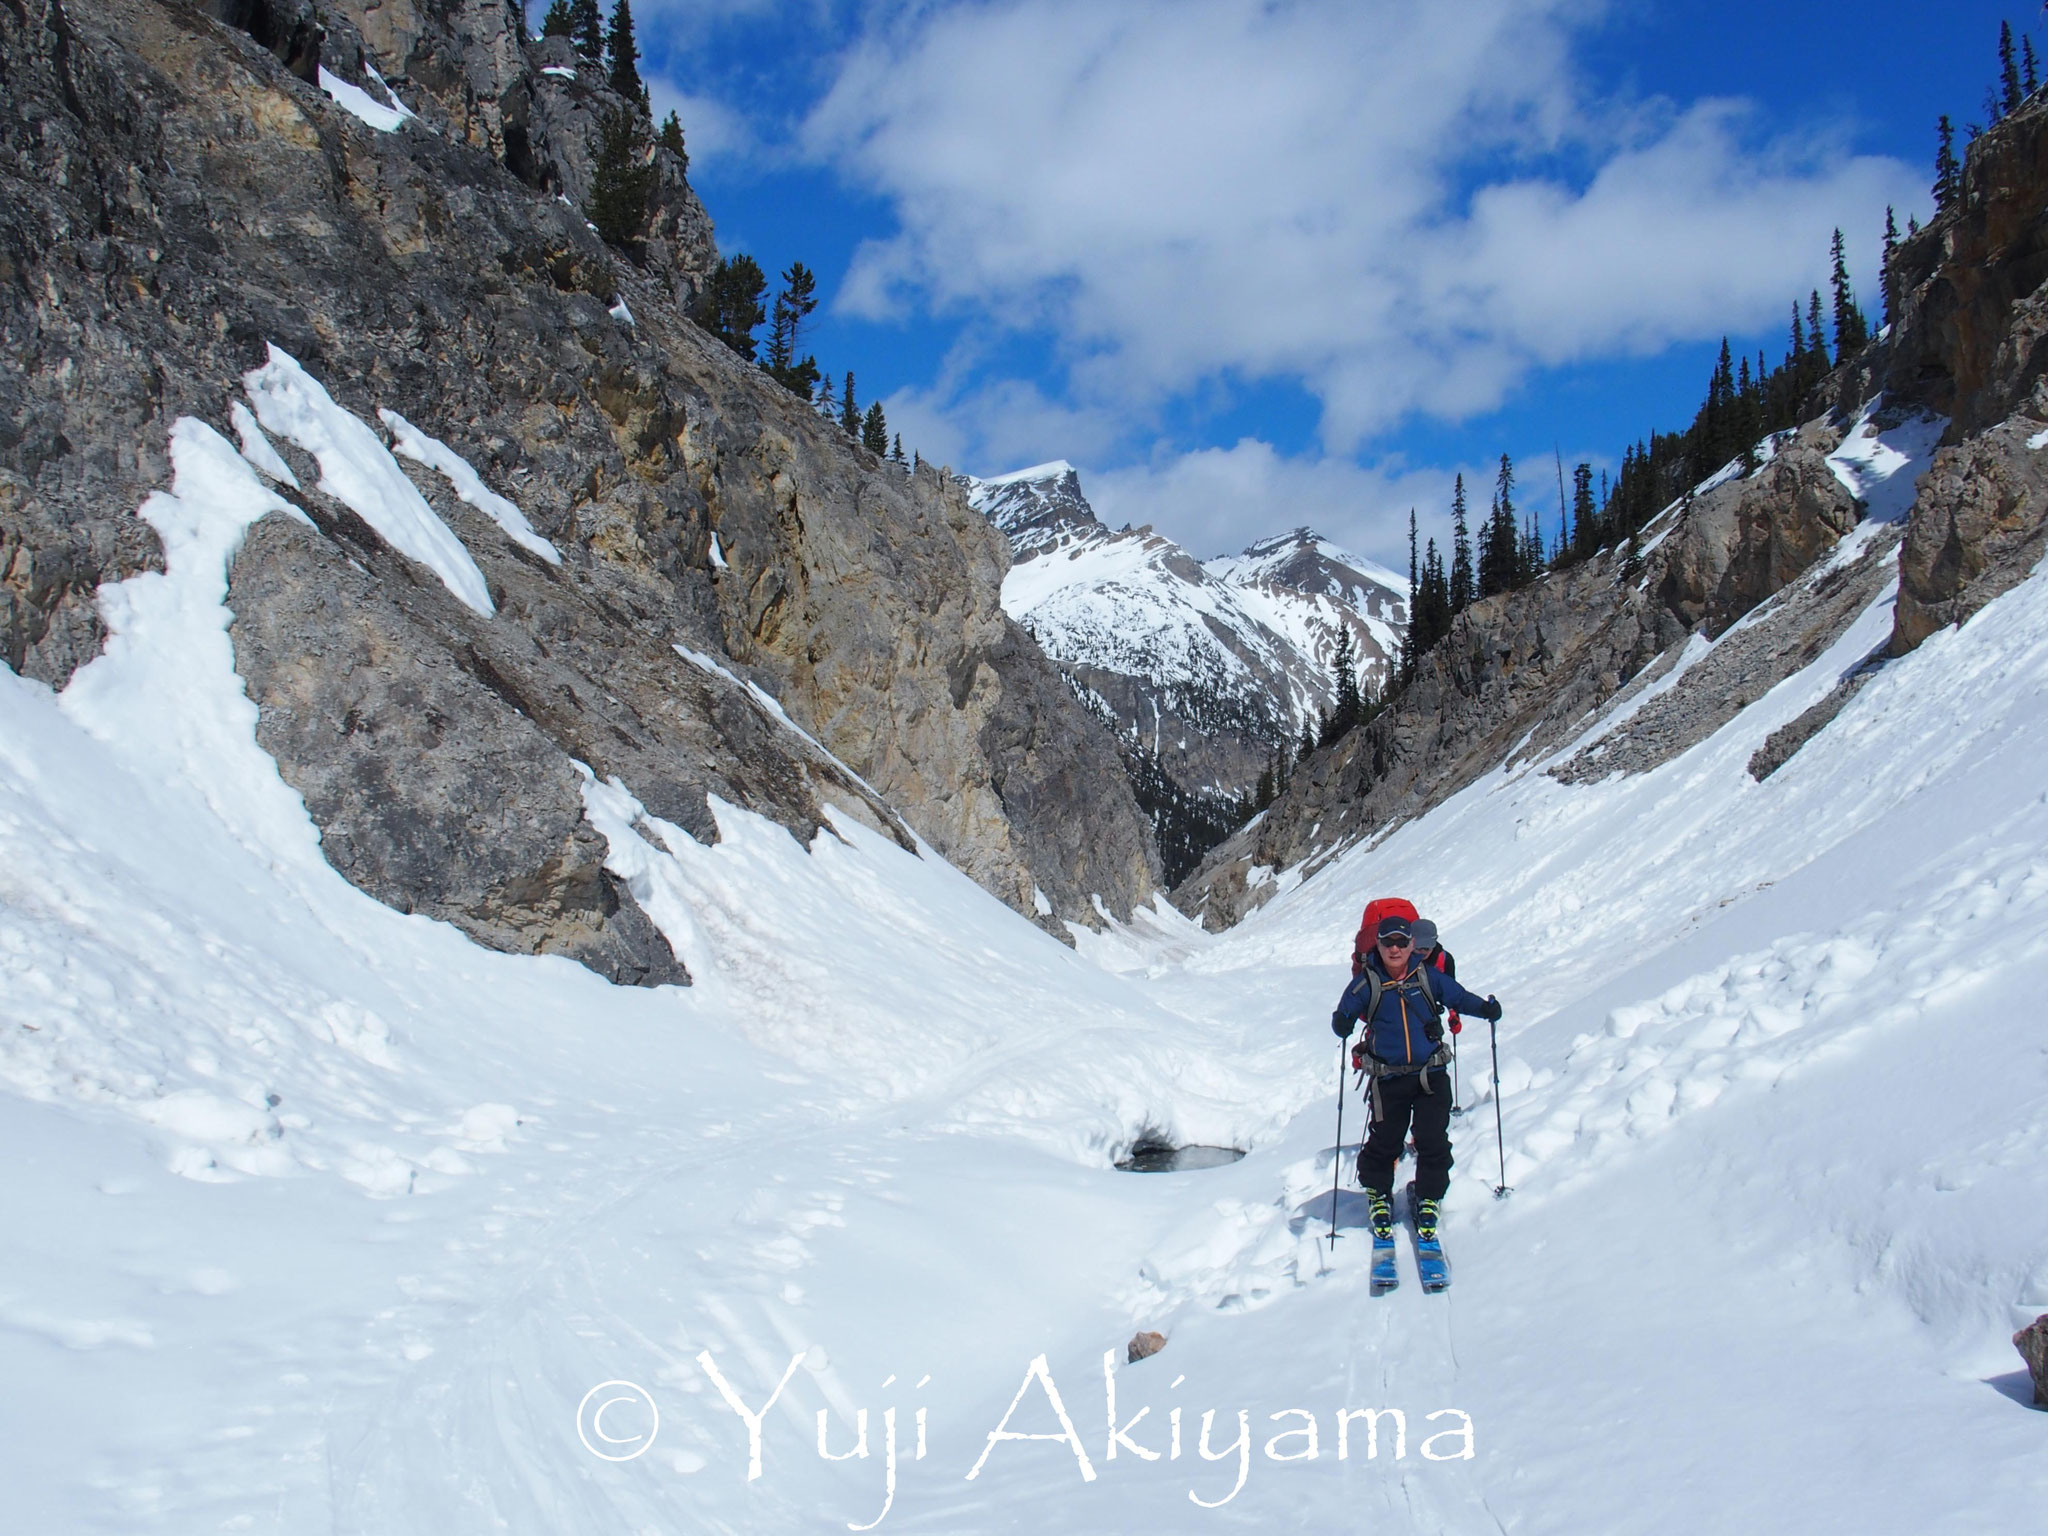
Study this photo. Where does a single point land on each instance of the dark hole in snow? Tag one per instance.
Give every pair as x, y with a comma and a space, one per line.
1157, 1157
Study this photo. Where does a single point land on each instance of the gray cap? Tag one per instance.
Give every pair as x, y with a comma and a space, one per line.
1425, 935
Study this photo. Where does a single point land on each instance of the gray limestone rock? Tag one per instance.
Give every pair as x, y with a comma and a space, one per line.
2032, 1343
432, 793
1978, 529
1743, 541
173, 198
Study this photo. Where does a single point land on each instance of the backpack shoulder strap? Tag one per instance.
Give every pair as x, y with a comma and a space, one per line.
1421, 975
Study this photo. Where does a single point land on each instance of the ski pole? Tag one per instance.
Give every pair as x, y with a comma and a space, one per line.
1500, 1190
1337, 1153
1456, 1107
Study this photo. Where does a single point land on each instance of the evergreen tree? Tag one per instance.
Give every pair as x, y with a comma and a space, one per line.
1585, 515
1564, 510
1461, 552
586, 29
559, 21
1817, 353
622, 56
2030, 69
849, 413
1308, 738
1408, 651
793, 305
623, 181
2011, 95
1350, 707
1891, 248
1851, 330
1948, 175
730, 306
1500, 541
1429, 612
874, 431
671, 139
896, 453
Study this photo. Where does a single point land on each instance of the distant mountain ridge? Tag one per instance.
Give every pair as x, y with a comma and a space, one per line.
1205, 669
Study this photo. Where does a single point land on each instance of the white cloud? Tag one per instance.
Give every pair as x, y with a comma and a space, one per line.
712, 131
1215, 500
1362, 195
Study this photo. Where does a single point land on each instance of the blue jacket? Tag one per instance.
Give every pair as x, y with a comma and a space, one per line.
1398, 1034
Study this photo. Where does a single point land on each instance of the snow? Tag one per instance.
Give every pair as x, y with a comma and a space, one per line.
559, 72
325, 1218
414, 444
257, 449
359, 103
1117, 601
1882, 467
357, 470
1049, 471
620, 313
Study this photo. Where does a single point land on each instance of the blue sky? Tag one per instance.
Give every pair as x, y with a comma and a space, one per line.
1255, 263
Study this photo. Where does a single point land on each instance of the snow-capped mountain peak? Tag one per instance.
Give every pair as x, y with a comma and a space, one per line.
1213, 666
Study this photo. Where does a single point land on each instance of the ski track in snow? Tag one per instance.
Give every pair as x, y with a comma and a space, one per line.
335, 1217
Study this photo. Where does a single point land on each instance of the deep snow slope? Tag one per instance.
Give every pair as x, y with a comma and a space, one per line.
323, 1218
1211, 665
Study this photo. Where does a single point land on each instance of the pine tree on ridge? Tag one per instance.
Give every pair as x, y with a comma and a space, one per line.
623, 179
586, 29
622, 56
1948, 175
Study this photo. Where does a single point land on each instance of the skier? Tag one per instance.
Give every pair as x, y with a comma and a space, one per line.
1428, 951
1403, 1052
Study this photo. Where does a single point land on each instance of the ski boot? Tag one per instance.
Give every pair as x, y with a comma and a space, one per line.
1381, 1220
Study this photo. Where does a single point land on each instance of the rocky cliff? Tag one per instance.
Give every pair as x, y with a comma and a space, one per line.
183, 189
1972, 316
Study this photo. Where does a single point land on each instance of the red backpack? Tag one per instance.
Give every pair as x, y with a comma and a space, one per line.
1376, 912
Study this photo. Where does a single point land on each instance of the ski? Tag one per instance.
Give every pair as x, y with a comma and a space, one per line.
1431, 1267
1384, 1275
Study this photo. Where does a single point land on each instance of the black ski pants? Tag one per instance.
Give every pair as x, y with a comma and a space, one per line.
1402, 1103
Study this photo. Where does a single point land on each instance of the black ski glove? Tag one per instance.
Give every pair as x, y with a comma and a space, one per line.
1492, 1009
1341, 1027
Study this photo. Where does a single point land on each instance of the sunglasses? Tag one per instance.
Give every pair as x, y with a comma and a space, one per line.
1397, 943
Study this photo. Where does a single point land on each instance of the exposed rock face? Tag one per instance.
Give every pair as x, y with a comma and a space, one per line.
1522, 672
1966, 290
1742, 542
1978, 529
174, 195
1783, 637
1972, 316
2032, 1343
871, 604
466, 66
